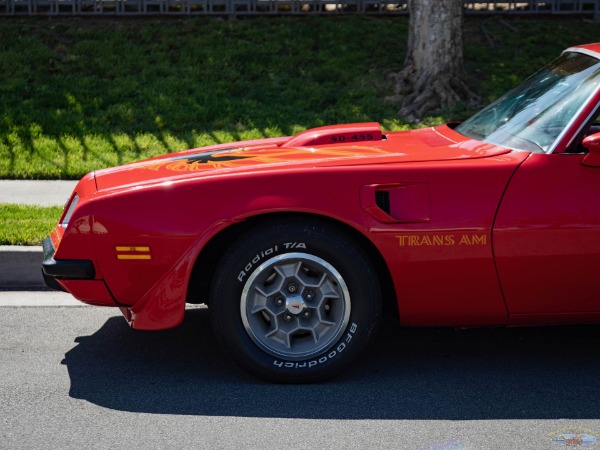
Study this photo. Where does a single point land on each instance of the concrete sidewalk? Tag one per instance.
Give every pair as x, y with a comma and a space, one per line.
36, 192
20, 267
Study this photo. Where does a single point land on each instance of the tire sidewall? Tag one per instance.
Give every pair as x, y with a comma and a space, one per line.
246, 255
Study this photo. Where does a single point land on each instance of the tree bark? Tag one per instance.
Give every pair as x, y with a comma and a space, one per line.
433, 77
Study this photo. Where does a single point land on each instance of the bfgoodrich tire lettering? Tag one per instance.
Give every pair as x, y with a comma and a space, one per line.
294, 302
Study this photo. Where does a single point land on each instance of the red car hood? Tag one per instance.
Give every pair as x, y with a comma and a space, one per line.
342, 145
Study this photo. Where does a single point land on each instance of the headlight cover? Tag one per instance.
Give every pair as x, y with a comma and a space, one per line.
69, 211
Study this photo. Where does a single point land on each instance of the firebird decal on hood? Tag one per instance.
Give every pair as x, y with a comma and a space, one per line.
191, 162
212, 157
239, 157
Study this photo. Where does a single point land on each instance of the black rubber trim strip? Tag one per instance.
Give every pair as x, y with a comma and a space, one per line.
74, 269
52, 283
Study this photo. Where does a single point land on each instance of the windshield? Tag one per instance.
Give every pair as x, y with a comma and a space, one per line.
532, 116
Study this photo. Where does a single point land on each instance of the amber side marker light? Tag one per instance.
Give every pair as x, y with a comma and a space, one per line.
128, 252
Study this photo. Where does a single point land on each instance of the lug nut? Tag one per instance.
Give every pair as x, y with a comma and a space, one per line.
306, 314
292, 287
288, 317
279, 301
309, 295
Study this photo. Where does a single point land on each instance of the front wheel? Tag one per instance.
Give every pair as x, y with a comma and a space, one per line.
295, 302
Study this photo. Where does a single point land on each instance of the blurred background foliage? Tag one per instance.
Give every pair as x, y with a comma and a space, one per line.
78, 94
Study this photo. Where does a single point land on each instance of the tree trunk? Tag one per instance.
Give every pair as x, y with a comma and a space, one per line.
433, 77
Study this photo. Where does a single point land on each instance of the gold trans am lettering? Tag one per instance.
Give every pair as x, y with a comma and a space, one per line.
440, 240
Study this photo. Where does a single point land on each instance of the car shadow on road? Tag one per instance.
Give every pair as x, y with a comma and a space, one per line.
527, 373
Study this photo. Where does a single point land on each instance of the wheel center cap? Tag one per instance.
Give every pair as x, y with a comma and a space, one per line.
295, 305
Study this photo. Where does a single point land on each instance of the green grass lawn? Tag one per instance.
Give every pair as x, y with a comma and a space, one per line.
78, 94
26, 225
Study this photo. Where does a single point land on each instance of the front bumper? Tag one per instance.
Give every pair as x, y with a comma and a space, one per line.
71, 269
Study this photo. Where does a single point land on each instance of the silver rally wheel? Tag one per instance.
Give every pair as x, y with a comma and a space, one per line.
294, 301
295, 306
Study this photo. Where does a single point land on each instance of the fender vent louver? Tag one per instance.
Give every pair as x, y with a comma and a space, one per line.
382, 199
397, 202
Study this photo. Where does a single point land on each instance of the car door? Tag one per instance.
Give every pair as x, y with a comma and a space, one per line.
546, 239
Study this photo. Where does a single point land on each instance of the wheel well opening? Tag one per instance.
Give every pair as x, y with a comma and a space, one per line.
208, 259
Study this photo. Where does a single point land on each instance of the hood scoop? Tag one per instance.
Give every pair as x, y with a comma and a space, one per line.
337, 134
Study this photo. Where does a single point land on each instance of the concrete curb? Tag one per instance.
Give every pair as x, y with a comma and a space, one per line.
20, 268
19, 299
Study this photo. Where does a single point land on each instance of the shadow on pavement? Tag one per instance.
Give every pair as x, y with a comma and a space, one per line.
527, 373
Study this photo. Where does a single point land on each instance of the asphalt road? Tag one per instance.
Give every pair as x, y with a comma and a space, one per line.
79, 377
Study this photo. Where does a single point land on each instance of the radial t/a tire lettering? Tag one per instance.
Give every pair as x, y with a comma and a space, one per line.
295, 302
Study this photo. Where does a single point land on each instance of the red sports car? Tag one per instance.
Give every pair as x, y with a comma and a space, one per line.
297, 244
